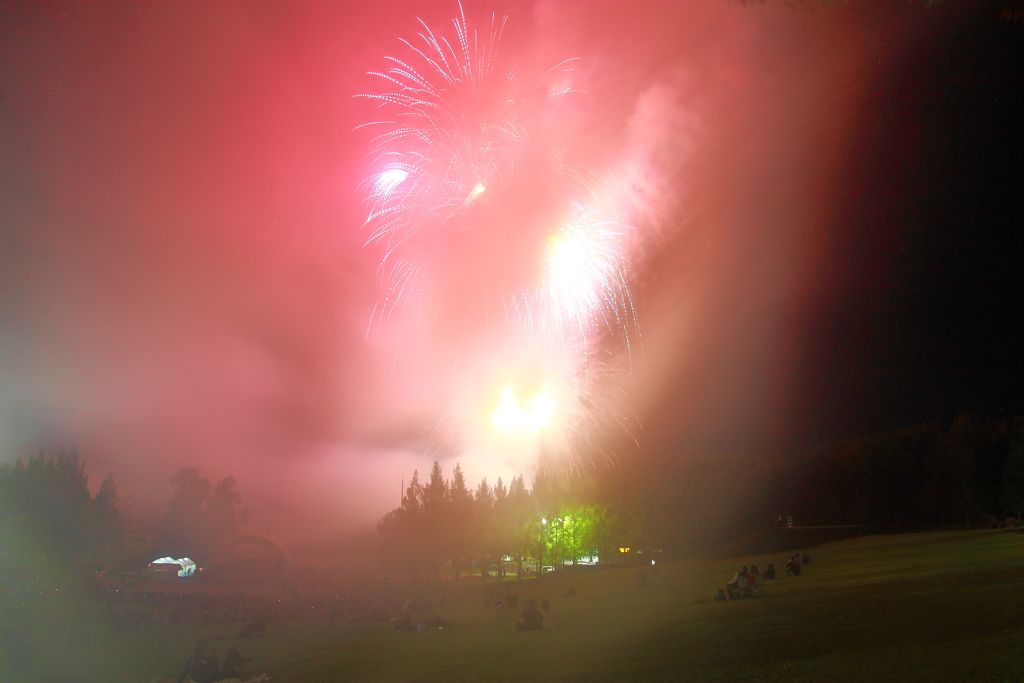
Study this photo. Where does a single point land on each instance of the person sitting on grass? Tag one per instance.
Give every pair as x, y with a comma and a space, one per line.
733, 586
793, 566
532, 619
737, 586
196, 668
234, 664
549, 618
744, 582
212, 665
769, 573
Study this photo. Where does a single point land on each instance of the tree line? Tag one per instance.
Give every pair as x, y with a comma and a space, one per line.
199, 515
442, 526
46, 508
966, 473
960, 474
928, 475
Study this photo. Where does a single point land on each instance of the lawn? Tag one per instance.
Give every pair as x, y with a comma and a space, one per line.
944, 606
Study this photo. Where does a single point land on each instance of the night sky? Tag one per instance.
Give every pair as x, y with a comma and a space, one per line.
827, 204
916, 313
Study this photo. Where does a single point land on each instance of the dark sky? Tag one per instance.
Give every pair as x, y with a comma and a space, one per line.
916, 310
826, 212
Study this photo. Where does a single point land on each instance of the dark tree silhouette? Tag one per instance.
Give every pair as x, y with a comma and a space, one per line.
46, 508
108, 530
199, 514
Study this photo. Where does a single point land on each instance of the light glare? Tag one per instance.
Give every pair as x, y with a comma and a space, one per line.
533, 416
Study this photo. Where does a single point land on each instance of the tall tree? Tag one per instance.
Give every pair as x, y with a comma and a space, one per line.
460, 520
413, 499
435, 517
46, 508
108, 529
186, 528
481, 528
222, 510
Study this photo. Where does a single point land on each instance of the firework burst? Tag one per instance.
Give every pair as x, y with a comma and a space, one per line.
474, 200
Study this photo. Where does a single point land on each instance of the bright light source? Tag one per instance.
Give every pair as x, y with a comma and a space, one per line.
540, 409
477, 190
388, 181
535, 415
508, 413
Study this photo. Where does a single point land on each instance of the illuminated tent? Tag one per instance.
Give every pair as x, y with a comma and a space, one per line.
168, 567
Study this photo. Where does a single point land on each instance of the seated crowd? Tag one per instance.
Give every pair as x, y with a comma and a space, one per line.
203, 665
746, 581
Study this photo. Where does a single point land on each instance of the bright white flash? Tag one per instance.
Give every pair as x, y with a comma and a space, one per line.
388, 180
536, 414
582, 269
477, 190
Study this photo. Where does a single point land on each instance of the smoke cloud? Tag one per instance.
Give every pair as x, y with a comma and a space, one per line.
183, 265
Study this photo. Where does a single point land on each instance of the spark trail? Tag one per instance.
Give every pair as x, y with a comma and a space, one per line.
477, 203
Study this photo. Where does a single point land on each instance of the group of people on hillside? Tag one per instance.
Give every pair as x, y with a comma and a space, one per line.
405, 623
747, 580
793, 567
203, 666
743, 582
494, 599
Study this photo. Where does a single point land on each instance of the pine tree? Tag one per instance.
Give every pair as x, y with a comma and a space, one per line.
435, 517
186, 527
222, 511
107, 520
460, 519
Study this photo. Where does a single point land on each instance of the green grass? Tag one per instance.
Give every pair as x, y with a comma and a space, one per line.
943, 606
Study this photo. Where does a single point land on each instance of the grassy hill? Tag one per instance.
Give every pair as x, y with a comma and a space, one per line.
942, 606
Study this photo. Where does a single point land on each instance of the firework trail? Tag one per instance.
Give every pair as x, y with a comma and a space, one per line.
472, 194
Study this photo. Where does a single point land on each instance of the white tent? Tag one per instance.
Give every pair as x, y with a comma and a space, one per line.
165, 565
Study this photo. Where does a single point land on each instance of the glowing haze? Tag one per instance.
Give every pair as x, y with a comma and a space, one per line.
582, 222
470, 162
